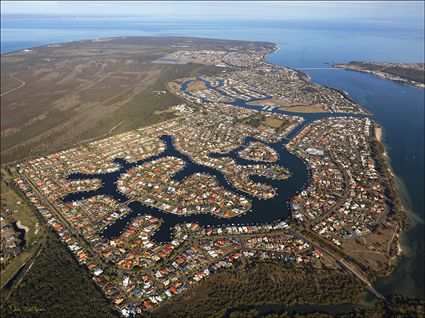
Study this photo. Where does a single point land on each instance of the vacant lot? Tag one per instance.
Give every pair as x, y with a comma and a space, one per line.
283, 105
197, 85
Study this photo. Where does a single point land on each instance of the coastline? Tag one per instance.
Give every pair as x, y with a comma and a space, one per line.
398, 211
401, 278
378, 133
307, 78
396, 79
397, 215
385, 163
406, 257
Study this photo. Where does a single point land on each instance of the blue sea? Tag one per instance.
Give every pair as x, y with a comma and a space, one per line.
310, 46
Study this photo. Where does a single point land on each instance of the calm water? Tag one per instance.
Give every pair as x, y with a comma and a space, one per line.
277, 208
399, 109
262, 211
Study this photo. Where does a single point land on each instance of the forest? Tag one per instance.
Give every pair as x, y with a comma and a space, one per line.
55, 286
393, 306
260, 284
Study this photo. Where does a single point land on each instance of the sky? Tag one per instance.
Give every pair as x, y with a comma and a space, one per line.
378, 11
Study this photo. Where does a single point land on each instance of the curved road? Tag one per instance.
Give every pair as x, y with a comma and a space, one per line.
22, 83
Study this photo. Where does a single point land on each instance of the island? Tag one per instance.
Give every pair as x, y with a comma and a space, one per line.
411, 74
165, 165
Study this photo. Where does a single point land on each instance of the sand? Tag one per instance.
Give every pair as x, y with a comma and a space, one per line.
378, 133
22, 227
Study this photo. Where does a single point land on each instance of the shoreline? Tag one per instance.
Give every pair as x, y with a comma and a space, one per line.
399, 212
385, 164
387, 76
307, 78
22, 227
111, 38
378, 133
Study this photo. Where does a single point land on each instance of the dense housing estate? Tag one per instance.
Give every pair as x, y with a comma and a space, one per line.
233, 127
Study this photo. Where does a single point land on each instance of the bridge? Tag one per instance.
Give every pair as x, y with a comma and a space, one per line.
317, 68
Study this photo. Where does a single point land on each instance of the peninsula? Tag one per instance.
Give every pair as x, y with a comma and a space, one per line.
161, 163
404, 73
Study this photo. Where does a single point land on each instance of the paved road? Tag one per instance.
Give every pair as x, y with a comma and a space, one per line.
341, 261
318, 68
22, 83
28, 266
364, 280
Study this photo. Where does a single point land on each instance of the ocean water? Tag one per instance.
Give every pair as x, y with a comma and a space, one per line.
304, 43
309, 46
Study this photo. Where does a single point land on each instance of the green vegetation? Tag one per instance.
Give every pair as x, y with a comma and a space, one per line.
411, 74
144, 109
83, 90
17, 208
259, 120
394, 306
56, 286
20, 210
261, 284
150, 105
14, 266
397, 212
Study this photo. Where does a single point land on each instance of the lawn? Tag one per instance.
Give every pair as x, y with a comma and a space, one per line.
271, 122
19, 210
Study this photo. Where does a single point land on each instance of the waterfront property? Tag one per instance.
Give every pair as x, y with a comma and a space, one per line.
224, 181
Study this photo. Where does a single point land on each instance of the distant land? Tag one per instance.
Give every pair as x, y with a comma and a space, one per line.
412, 74
55, 96
168, 176
166, 140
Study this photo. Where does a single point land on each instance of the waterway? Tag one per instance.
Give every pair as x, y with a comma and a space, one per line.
262, 211
21, 235
277, 208
304, 44
400, 111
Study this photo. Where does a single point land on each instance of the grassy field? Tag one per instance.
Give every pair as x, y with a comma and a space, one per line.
19, 210
82, 90
272, 122
304, 109
10, 199
196, 86
7, 273
146, 108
